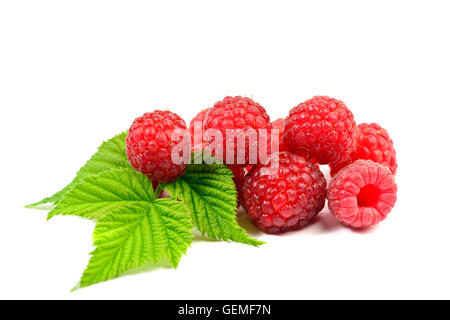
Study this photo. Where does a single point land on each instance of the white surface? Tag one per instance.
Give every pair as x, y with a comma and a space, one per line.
75, 73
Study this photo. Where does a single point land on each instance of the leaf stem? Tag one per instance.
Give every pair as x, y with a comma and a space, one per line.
158, 190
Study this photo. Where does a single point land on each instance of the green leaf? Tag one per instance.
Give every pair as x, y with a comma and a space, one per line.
133, 228
97, 195
135, 235
210, 195
110, 155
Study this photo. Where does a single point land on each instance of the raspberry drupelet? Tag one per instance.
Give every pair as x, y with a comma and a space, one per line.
149, 145
373, 143
362, 194
322, 128
286, 198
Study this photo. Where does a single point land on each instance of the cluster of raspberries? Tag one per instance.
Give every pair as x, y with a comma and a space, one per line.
286, 196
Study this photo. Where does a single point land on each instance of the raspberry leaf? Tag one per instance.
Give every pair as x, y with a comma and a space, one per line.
97, 195
209, 193
110, 155
136, 235
133, 227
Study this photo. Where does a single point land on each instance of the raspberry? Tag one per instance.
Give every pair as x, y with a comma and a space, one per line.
149, 145
321, 128
373, 143
279, 125
286, 199
362, 194
238, 179
200, 117
237, 113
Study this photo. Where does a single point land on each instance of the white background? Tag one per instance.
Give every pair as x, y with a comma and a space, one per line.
74, 73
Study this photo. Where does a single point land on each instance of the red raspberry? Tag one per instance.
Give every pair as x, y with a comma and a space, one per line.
200, 117
286, 199
321, 128
149, 145
373, 143
238, 179
362, 194
237, 113
279, 125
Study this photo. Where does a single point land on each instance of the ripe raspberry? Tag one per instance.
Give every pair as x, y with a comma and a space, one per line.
242, 114
200, 118
279, 125
286, 199
321, 128
238, 179
149, 145
373, 143
362, 194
